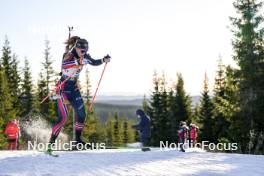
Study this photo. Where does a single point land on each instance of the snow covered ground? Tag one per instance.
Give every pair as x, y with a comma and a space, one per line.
129, 162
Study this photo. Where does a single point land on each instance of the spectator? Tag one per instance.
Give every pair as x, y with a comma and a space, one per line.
144, 128
193, 134
182, 134
12, 132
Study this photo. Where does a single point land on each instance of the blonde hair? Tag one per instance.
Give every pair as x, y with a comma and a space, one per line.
70, 43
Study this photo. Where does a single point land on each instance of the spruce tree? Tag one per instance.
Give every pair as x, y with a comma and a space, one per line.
94, 130
6, 60
219, 79
26, 90
164, 122
172, 114
221, 124
228, 105
10, 69
249, 55
182, 103
3, 140
117, 140
128, 132
196, 114
47, 67
6, 110
155, 111
46, 83
87, 92
41, 93
6, 100
14, 84
145, 105
99, 134
110, 131
125, 131
206, 115
5, 107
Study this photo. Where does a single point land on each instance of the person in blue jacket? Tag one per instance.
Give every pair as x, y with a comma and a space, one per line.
143, 127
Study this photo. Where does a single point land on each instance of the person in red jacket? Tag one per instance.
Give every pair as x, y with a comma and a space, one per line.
193, 134
12, 132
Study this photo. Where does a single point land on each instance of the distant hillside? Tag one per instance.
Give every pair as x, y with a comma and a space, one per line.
105, 110
195, 100
131, 100
125, 106
134, 102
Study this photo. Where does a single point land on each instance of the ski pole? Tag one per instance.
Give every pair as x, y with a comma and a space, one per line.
91, 105
44, 99
70, 29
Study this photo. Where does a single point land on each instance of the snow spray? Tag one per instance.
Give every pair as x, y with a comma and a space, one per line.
38, 130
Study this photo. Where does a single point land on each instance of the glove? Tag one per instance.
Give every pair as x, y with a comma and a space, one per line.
106, 58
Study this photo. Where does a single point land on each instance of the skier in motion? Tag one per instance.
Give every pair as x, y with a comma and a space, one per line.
74, 58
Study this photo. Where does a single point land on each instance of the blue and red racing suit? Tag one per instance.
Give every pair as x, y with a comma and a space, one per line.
69, 91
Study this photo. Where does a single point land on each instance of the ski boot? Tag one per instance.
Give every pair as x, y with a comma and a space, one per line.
182, 148
80, 144
50, 150
145, 149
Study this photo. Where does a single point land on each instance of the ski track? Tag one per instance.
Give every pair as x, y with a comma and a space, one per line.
129, 162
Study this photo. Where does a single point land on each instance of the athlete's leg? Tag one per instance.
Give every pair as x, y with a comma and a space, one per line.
62, 116
78, 106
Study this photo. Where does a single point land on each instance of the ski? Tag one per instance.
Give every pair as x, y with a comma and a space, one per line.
50, 153
145, 149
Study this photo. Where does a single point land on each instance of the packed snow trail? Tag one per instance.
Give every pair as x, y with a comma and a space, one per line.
129, 162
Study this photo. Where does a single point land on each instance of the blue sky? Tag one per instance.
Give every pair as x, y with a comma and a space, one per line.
140, 35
